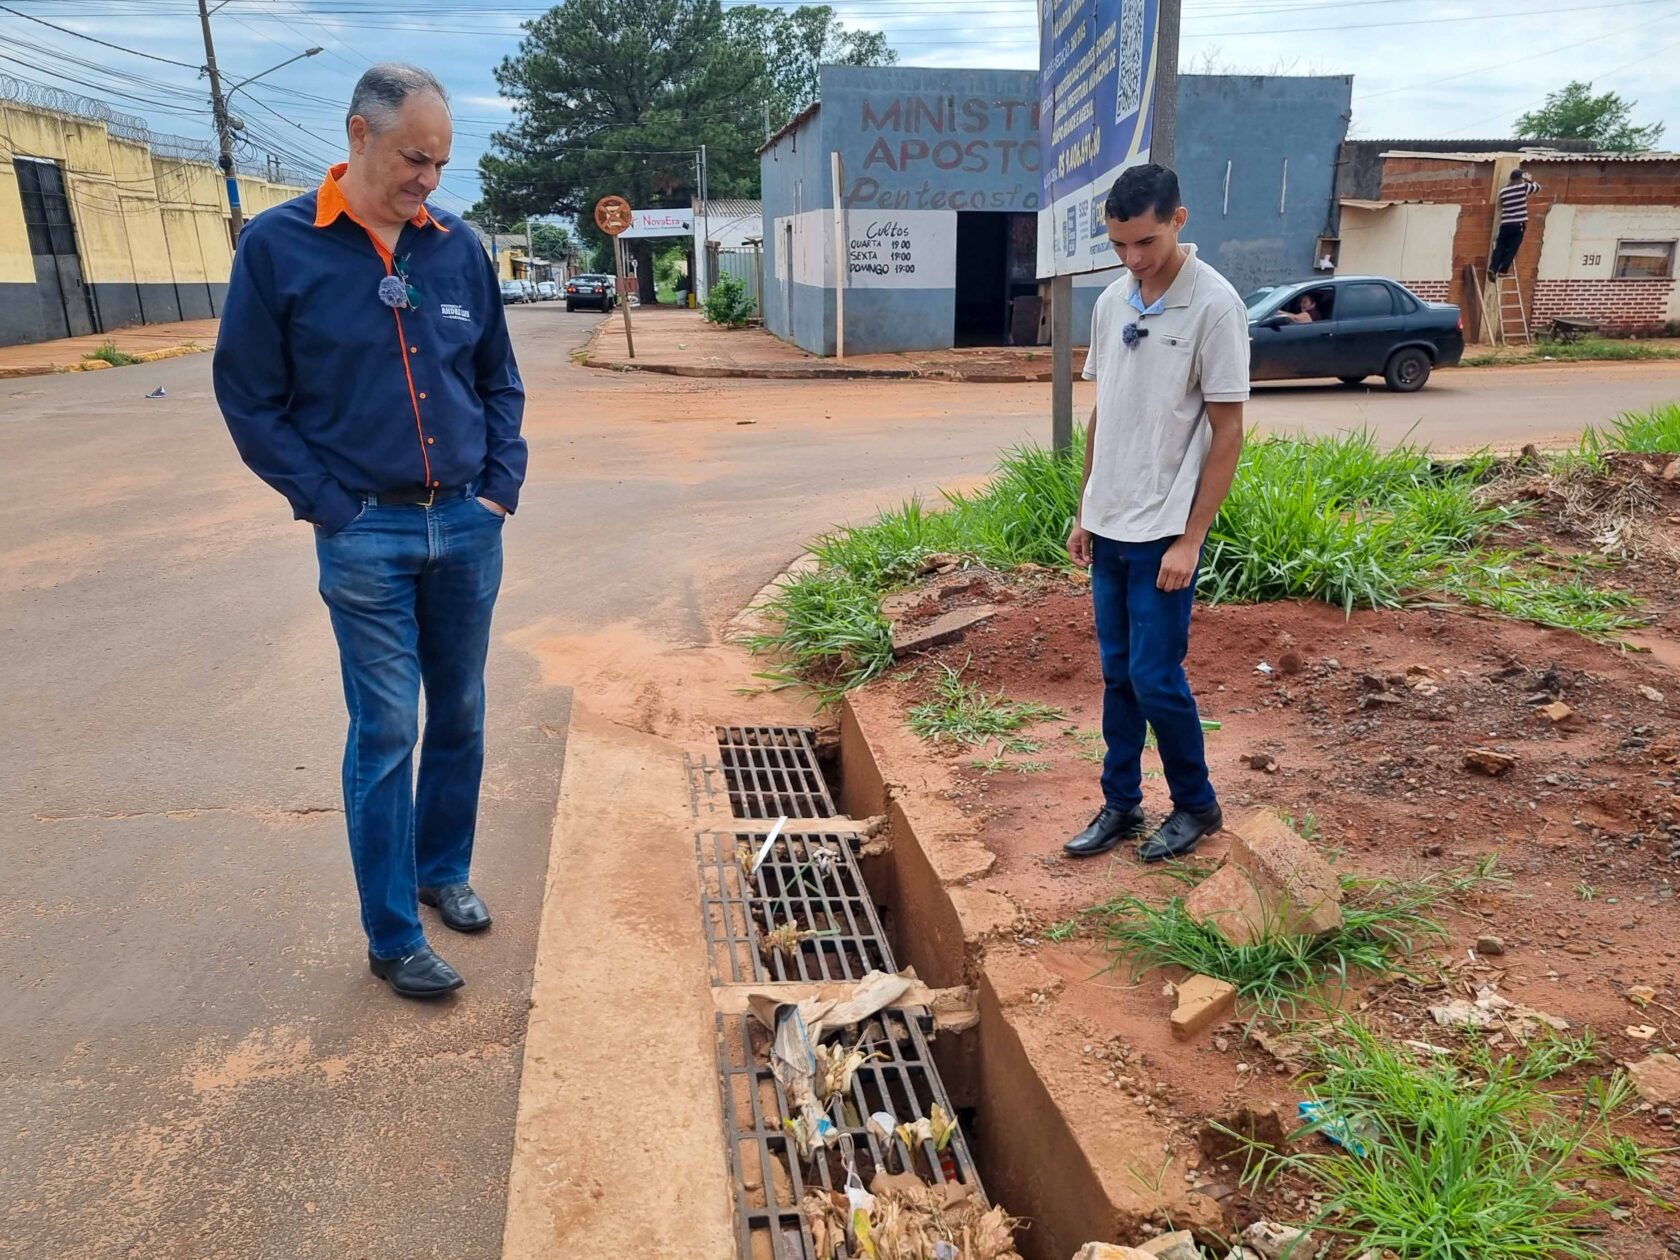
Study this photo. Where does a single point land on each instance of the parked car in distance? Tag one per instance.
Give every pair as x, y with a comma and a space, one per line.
512, 291
591, 290
547, 290
1361, 326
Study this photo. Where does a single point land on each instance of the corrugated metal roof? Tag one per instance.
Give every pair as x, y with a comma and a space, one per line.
1535, 155
732, 208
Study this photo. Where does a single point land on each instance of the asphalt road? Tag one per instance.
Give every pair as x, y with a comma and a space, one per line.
193, 1059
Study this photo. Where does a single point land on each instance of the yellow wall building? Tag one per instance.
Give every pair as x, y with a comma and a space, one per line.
103, 226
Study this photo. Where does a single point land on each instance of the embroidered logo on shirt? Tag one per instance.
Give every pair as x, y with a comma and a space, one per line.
450, 311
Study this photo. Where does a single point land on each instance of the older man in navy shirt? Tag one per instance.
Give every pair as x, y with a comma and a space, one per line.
364, 369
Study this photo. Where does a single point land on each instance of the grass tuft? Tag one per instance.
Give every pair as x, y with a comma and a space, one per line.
1382, 922
116, 358
964, 713
1653, 432
1465, 1157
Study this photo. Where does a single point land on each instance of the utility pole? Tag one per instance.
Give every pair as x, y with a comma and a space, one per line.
700, 284
224, 126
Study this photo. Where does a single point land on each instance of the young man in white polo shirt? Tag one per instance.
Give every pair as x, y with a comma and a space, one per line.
1169, 353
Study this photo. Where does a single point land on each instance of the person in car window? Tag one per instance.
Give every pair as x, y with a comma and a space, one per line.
1308, 310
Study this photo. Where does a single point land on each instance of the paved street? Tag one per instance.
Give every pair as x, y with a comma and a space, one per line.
194, 1060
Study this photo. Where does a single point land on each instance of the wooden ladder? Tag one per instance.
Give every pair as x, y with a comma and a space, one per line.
1506, 316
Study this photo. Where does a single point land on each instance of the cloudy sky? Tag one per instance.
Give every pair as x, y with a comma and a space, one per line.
1422, 68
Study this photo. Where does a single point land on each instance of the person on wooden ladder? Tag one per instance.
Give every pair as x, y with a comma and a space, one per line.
1513, 221
1169, 353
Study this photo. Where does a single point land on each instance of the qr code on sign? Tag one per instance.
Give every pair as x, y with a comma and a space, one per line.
1129, 81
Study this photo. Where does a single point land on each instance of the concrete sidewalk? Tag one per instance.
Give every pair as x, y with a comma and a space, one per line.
680, 342
146, 342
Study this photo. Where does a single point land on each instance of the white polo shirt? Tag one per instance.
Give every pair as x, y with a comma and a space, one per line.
1152, 427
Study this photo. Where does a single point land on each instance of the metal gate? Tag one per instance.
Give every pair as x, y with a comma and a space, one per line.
66, 306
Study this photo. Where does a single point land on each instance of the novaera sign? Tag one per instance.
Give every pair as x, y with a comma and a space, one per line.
1096, 115
660, 223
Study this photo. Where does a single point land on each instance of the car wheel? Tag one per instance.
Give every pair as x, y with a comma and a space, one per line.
1351, 380
1407, 371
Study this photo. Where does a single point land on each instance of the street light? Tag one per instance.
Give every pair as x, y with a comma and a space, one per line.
247, 82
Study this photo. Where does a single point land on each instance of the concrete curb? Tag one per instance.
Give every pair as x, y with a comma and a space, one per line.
100, 365
815, 370
933, 873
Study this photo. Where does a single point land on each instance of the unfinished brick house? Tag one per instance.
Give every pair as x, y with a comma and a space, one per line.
1602, 237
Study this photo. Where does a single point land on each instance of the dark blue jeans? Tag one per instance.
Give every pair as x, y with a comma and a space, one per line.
410, 590
1143, 633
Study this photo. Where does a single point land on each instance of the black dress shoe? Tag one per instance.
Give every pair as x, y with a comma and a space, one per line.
421, 974
459, 907
1107, 829
1181, 833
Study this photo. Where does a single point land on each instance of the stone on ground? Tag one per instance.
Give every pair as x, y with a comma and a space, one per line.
1110, 1251
1202, 1002
1272, 883
941, 629
1229, 901
1278, 1242
1657, 1078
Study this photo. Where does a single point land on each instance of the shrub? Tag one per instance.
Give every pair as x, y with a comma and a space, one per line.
727, 303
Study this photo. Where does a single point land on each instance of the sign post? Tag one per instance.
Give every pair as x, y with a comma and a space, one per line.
1107, 82
842, 256
612, 216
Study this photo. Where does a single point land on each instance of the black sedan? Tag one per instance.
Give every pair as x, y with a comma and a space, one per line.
1351, 327
596, 291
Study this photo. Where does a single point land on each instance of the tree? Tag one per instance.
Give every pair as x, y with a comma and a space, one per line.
617, 96
796, 45
1574, 113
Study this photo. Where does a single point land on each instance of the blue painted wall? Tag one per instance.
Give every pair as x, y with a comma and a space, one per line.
927, 139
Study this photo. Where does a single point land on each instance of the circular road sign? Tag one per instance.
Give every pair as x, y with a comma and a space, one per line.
612, 215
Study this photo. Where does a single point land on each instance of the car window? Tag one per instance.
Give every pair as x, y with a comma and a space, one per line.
1364, 301
1260, 299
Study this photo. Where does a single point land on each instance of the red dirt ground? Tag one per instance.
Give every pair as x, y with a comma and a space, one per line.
1586, 826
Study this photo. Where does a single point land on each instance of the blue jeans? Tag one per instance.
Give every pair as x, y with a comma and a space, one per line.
410, 591
1143, 633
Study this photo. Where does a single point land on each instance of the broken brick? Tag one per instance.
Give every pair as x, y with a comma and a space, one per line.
1180, 1245
1656, 1077
1244, 1134
1202, 1001
1290, 871
943, 629
1229, 901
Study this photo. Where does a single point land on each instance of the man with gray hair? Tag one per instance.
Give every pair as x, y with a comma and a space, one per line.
364, 369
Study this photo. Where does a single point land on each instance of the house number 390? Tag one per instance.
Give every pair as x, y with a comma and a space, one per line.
1592, 260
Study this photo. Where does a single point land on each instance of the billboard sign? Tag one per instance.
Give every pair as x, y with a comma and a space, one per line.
645, 223
1097, 92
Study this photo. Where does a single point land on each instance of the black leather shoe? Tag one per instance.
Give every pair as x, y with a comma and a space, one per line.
421, 974
459, 906
1107, 829
1181, 833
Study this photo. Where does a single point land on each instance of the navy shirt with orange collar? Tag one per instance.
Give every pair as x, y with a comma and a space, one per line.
331, 394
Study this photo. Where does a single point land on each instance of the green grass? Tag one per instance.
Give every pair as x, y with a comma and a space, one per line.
1467, 1156
999, 760
1382, 922
116, 358
1584, 350
964, 713
1632, 1161
1656, 431
1339, 519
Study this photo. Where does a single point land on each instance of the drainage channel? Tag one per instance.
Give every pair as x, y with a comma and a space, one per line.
804, 915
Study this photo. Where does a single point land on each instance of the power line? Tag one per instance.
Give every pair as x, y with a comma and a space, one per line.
133, 52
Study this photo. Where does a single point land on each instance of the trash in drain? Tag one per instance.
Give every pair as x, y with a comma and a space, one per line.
843, 1142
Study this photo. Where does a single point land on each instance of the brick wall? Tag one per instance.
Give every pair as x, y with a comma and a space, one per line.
1627, 306
1431, 290
1470, 185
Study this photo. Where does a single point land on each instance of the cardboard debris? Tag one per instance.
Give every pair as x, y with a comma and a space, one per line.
1178, 1245
1492, 1010
1279, 1242
822, 1009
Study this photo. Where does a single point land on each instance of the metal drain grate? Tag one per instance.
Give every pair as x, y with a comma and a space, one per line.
772, 772
770, 1178
705, 787
808, 879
